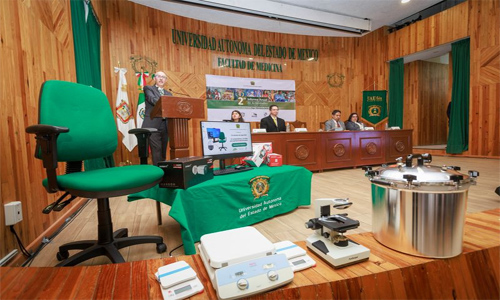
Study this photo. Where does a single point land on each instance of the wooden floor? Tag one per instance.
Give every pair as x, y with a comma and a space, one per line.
140, 216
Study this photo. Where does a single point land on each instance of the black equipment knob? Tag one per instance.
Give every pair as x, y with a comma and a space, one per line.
456, 178
312, 224
473, 173
456, 168
366, 168
372, 173
309, 224
410, 178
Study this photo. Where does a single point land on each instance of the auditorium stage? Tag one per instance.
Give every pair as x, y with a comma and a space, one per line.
475, 274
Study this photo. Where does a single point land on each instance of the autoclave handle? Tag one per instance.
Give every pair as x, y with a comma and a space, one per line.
381, 182
421, 158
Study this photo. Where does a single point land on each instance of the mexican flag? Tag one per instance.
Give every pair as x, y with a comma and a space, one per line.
124, 118
141, 109
141, 106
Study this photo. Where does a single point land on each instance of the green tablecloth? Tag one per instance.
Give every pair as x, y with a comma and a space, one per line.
232, 201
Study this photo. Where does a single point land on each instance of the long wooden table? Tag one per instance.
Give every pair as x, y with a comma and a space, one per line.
319, 151
474, 274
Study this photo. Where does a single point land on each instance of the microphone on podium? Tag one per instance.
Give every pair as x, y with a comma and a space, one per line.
170, 90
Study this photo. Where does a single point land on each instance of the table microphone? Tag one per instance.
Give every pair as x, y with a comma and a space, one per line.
178, 93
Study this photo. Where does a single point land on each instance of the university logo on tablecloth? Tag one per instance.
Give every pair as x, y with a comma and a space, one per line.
259, 186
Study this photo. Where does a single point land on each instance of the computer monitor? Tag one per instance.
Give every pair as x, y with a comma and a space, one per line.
223, 140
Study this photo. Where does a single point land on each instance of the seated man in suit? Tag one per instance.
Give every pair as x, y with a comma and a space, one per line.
272, 123
335, 124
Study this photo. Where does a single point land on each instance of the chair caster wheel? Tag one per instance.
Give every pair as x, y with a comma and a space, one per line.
160, 248
62, 255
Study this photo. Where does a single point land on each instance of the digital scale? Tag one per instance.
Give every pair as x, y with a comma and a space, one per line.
178, 281
297, 257
242, 262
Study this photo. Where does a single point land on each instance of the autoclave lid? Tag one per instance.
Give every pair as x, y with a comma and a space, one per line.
422, 175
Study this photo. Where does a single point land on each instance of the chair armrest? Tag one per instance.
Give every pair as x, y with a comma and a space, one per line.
46, 149
142, 130
46, 129
143, 135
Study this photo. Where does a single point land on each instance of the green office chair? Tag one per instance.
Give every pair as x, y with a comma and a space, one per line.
76, 124
222, 140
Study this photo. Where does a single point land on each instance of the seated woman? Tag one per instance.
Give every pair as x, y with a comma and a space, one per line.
353, 123
236, 116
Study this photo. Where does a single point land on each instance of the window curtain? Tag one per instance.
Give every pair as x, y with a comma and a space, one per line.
396, 85
458, 134
87, 44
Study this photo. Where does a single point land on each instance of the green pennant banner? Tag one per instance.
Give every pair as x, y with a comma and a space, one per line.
374, 106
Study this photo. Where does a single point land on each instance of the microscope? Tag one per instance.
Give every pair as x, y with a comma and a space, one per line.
328, 240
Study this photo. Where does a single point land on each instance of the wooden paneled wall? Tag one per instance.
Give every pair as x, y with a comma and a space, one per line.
484, 118
410, 98
37, 45
479, 20
137, 30
433, 102
425, 101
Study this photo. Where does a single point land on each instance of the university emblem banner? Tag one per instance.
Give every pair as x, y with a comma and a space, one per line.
374, 106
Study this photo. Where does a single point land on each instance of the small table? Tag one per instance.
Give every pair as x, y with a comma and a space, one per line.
233, 201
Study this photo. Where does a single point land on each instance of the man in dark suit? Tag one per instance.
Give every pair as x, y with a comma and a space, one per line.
158, 141
272, 123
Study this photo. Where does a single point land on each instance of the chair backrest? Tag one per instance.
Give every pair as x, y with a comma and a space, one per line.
298, 124
322, 125
86, 112
222, 137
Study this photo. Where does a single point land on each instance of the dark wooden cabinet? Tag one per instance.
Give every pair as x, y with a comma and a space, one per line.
371, 147
319, 151
301, 150
338, 149
398, 144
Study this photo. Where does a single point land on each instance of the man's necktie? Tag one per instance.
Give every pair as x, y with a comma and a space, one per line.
162, 91
275, 122
338, 125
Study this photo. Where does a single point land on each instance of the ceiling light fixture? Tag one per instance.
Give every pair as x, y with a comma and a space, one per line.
405, 1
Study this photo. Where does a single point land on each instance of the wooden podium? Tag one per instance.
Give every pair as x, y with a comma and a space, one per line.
178, 110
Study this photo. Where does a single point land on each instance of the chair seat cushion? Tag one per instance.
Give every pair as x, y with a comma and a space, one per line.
110, 179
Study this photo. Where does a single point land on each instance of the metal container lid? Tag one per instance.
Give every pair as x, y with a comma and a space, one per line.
422, 176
